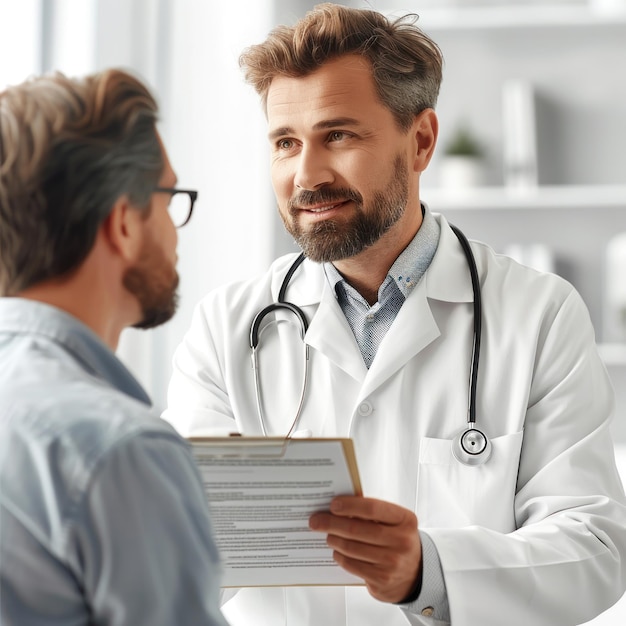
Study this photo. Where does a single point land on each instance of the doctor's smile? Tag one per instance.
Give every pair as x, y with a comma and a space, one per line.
322, 209
324, 203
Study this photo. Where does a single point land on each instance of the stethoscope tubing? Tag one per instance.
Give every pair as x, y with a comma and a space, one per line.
478, 316
255, 337
471, 446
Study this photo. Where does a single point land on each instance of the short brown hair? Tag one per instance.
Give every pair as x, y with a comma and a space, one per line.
406, 63
69, 148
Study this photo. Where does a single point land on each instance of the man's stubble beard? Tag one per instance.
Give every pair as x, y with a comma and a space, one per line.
333, 240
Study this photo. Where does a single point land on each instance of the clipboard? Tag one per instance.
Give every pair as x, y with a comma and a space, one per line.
261, 492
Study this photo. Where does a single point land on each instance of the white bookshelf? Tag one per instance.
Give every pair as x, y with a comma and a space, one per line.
574, 197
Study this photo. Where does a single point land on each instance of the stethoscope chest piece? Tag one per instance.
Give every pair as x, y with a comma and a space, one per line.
471, 447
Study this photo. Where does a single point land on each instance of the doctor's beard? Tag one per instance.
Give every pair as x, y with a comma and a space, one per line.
333, 240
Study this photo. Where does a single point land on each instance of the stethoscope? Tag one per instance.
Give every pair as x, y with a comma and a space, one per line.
471, 446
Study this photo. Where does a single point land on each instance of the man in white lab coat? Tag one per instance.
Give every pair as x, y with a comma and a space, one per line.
534, 535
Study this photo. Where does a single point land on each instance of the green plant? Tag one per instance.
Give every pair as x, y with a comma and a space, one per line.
463, 143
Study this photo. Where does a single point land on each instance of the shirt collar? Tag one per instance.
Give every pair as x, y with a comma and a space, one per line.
408, 269
21, 316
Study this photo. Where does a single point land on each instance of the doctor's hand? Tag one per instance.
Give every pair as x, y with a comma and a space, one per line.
375, 540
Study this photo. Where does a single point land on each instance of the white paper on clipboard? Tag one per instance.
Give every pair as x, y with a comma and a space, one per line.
261, 492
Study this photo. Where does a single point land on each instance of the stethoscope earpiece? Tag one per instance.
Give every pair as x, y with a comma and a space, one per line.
471, 447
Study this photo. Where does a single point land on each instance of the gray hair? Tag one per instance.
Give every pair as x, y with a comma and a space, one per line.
69, 148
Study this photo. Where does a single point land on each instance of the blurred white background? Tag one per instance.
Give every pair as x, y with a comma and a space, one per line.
566, 56
212, 124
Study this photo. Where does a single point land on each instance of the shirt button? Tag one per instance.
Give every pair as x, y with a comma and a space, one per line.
428, 611
365, 408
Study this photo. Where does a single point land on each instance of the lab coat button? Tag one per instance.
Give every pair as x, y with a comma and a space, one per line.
428, 611
365, 408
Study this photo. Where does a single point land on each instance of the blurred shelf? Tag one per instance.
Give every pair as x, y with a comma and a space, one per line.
516, 16
542, 197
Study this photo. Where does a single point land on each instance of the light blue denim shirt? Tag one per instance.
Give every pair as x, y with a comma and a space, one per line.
103, 519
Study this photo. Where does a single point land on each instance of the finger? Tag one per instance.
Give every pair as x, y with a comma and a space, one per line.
365, 530
363, 569
351, 528
368, 509
379, 554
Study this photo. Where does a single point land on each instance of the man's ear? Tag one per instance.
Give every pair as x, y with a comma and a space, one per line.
123, 230
425, 129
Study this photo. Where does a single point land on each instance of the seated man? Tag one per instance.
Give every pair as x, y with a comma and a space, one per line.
103, 518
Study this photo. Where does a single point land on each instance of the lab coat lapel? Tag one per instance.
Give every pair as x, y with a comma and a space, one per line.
329, 331
415, 327
331, 334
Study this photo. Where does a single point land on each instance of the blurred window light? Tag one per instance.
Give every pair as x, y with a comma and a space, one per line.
44, 35
70, 36
21, 42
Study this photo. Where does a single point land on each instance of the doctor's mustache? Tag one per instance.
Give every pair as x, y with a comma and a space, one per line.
306, 198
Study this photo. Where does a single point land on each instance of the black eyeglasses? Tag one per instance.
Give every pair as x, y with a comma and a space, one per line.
181, 204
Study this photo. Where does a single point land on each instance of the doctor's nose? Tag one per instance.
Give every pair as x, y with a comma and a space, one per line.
312, 171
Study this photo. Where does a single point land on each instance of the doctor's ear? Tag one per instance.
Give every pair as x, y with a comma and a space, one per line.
424, 130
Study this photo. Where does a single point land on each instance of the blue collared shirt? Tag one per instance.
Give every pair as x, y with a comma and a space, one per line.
103, 517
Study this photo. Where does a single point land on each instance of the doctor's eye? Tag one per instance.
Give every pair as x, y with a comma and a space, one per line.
284, 144
337, 135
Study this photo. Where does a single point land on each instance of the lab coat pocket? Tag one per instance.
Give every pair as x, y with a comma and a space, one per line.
451, 494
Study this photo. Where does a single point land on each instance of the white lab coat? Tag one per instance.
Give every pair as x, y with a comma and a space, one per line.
537, 535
